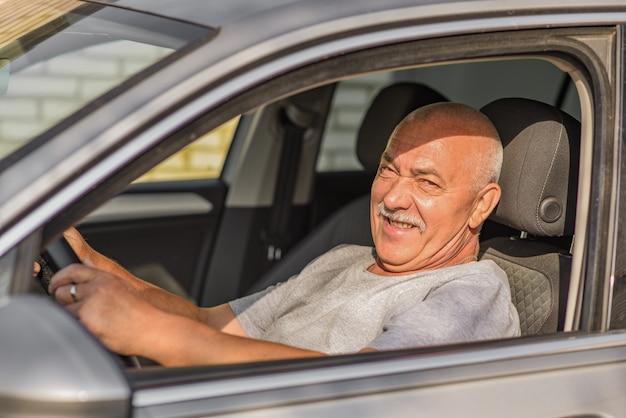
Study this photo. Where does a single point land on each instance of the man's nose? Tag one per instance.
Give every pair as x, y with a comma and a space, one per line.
399, 194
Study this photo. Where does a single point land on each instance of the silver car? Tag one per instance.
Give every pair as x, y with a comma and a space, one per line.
215, 148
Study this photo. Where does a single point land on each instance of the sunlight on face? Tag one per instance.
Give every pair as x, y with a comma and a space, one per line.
424, 196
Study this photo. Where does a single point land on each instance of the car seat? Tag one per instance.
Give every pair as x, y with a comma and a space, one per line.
351, 223
539, 181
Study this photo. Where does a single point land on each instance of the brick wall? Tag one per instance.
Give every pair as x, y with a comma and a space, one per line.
352, 98
44, 93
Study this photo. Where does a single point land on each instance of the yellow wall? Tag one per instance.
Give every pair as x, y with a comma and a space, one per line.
202, 159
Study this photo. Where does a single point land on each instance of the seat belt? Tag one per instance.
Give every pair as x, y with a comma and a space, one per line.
276, 237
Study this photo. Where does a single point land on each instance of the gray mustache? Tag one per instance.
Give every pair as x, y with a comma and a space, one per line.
403, 217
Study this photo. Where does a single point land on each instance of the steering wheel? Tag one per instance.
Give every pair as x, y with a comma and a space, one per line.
57, 255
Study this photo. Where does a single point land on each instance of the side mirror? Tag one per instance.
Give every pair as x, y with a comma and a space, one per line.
51, 366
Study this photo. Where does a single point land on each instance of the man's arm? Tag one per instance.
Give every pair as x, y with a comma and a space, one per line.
191, 343
134, 317
120, 316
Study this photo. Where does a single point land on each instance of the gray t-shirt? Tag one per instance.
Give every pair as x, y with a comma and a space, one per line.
336, 306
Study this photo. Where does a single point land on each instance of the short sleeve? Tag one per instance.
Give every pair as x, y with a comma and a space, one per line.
255, 312
469, 308
258, 311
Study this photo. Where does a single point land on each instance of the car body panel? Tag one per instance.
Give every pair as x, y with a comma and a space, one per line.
473, 381
301, 12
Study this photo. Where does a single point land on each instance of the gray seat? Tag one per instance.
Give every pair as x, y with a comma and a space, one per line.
539, 182
351, 223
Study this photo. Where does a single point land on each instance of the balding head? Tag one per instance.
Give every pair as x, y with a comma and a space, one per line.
456, 119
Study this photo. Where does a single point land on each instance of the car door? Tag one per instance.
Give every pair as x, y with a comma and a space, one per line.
578, 373
581, 376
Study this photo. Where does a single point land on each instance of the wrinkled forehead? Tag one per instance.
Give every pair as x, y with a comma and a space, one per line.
426, 138
453, 147
442, 131
456, 158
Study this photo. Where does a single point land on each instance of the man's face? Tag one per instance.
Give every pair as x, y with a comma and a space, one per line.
425, 189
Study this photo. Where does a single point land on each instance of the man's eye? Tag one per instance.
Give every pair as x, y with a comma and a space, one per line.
384, 170
429, 184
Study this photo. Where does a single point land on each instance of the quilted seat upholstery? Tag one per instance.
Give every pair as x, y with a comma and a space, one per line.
534, 292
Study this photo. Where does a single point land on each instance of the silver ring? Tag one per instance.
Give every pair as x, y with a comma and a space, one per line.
73, 292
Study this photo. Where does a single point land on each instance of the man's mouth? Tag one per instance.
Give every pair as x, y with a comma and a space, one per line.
401, 225
401, 220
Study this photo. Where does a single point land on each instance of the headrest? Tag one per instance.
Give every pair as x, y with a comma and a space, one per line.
387, 109
539, 176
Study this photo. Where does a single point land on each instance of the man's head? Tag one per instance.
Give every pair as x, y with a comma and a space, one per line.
435, 186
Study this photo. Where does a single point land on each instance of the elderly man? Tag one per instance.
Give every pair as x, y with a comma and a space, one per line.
420, 285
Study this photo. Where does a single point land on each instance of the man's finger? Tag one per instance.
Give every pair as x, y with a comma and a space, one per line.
69, 294
74, 308
75, 273
77, 242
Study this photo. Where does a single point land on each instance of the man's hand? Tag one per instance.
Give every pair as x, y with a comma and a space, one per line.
107, 306
88, 255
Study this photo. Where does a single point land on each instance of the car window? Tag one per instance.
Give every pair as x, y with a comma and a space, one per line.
57, 57
475, 84
202, 159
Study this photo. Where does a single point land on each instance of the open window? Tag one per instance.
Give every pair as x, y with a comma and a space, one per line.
249, 175
246, 184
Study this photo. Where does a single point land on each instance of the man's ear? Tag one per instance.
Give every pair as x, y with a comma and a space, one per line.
486, 202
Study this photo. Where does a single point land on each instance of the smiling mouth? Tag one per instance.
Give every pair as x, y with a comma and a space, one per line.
400, 220
401, 225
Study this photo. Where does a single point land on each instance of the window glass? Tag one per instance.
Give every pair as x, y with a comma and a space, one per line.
56, 57
475, 84
203, 159
351, 100
44, 93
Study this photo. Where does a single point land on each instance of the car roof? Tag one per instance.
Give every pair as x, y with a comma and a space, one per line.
248, 24
219, 13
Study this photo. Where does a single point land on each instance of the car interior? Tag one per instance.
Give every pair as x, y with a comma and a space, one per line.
255, 243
